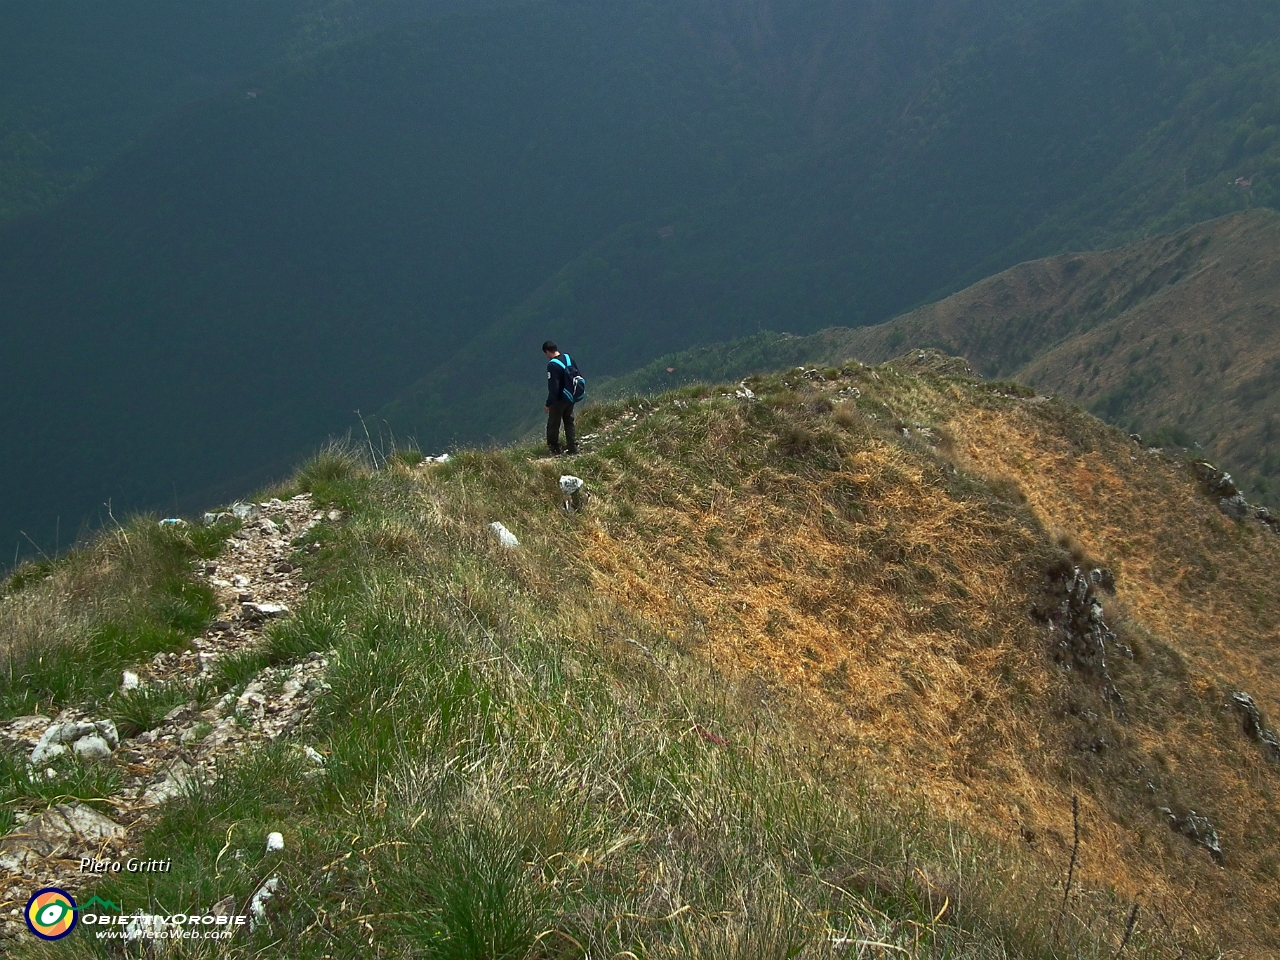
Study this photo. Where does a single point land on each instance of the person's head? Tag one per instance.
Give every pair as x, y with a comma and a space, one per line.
550, 349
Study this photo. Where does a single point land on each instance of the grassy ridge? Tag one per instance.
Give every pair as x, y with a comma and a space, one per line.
770, 692
518, 766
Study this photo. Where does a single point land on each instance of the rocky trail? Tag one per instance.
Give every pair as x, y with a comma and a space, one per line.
255, 581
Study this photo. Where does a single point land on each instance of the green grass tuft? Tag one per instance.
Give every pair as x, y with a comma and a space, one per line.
115, 602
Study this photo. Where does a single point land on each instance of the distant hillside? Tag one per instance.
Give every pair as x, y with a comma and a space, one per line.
393, 219
80, 80
1177, 338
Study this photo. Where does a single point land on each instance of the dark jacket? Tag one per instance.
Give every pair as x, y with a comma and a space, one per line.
557, 380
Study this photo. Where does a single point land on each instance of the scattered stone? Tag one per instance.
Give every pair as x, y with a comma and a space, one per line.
1263, 514
92, 748
187, 747
505, 536
1198, 828
263, 611
261, 897
335, 515
1253, 725
275, 842
178, 780
43, 753
575, 497
253, 700
246, 511
1217, 482
57, 833
54, 740
177, 713
744, 392
314, 755
1103, 578
24, 731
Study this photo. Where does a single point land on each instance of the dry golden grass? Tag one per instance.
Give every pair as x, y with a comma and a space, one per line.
893, 598
1197, 596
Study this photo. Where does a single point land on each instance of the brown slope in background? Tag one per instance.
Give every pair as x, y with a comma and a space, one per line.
888, 579
1180, 332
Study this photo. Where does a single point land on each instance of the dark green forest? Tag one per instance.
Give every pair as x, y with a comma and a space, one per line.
82, 79
216, 252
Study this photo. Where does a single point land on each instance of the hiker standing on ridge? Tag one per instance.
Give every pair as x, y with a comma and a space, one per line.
565, 387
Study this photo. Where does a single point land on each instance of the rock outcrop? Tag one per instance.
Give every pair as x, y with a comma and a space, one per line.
1254, 727
1080, 633
1220, 485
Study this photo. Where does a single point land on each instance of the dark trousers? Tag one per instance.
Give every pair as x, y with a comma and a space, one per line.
561, 410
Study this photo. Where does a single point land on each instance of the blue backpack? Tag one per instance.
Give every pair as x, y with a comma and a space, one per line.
576, 388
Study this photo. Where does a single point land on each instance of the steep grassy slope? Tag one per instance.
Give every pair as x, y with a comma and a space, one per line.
694, 716
897, 595
420, 205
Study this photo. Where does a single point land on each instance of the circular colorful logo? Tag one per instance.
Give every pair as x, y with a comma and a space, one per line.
51, 913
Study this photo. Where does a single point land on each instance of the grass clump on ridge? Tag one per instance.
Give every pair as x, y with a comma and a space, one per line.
516, 767
332, 474
68, 626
